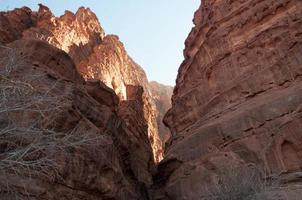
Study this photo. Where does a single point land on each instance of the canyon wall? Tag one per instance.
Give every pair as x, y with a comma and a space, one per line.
238, 96
81, 123
65, 138
161, 95
96, 55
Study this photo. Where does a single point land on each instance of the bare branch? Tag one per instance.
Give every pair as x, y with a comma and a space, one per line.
29, 143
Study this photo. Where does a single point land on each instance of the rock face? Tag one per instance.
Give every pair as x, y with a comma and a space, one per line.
64, 138
103, 116
110, 63
76, 34
238, 96
161, 95
96, 56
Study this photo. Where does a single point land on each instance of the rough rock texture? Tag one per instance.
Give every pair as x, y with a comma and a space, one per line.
110, 63
14, 23
76, 34
161, 95
97, 56
238, 95
109, 162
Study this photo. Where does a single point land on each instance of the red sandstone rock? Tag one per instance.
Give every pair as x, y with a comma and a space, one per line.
77, 34
96, 56
13, 23
161, 95
111, 163
110, 63
238, 95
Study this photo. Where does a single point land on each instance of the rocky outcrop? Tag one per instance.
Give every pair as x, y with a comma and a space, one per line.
96, 56
111, 64
77, 34
14, 23
161, 95
64, 138
238, 96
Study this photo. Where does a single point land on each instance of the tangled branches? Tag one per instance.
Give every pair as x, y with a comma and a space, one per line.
30, 139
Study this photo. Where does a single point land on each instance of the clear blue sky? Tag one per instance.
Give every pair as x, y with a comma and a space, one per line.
153, 31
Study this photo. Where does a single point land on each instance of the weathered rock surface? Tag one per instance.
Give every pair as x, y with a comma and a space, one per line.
76, 34
14, 23
88, 150
161, 95
238, 96
96, 56
111, 64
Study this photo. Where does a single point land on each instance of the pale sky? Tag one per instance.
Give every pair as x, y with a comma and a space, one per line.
153, 31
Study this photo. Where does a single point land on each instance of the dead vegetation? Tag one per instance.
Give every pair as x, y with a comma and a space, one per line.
30, 137
247, 183
236, 184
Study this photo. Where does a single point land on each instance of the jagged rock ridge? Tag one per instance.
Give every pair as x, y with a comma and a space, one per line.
62, 137
96, 56
101, 143
238, 97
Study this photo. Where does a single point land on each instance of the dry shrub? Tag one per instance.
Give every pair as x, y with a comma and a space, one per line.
240, 183
29, 141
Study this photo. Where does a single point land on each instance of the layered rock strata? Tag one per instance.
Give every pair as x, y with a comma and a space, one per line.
96, 56
110, 63
238, 96
62, 137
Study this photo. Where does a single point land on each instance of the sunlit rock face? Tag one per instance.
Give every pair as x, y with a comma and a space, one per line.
96, 56
67, 137
161, 95
110, 63
76, 34
238, 95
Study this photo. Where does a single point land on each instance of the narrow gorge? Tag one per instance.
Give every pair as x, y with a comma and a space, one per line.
79, 120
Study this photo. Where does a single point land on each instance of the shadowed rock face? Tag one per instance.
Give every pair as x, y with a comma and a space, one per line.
238, 94
96, 56
110, 63
162, 98
99, 156
237, 102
